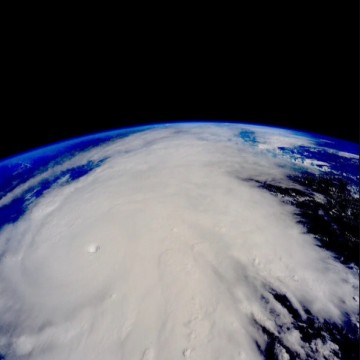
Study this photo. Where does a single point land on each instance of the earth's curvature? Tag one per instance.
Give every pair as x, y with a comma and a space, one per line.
181, 241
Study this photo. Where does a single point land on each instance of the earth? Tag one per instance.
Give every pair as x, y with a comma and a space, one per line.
181, 241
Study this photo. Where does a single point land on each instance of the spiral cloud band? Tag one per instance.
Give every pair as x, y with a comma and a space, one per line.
168, 249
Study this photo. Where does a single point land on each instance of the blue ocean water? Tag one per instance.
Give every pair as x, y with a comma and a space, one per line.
21, 168
324, 149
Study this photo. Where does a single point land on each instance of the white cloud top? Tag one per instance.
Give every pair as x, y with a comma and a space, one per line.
166, 251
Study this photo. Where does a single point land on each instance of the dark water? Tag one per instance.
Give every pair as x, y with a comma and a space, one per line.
335, 225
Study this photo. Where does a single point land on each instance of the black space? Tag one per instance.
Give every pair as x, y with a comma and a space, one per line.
292, 66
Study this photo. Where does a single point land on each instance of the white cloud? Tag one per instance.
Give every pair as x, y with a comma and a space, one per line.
165, 251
